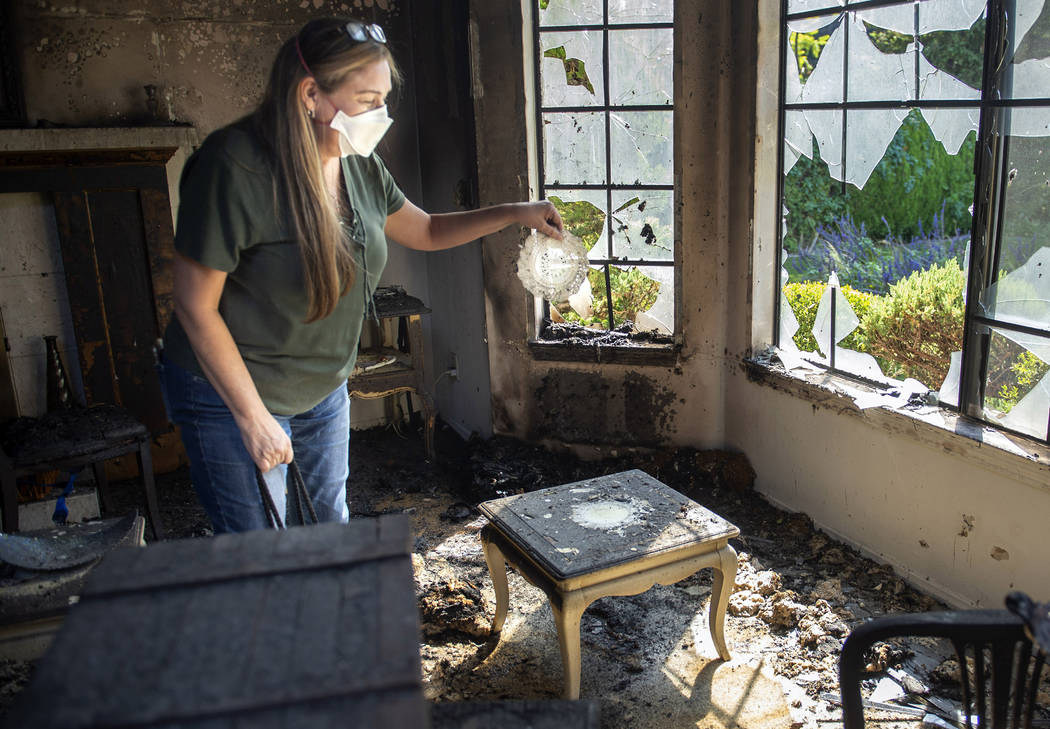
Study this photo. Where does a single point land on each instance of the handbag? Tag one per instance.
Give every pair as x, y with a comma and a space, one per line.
298, 499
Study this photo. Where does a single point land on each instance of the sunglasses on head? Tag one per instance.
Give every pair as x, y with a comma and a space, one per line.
360, 32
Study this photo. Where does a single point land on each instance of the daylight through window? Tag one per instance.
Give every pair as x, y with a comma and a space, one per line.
605, 120
915, 199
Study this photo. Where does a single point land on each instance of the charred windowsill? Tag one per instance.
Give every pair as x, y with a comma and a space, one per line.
1025, 459
563, 342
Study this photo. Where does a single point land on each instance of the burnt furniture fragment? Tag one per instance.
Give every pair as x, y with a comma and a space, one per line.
999, 671
395, 367
68, 440
613, 535
41, 572
304, 627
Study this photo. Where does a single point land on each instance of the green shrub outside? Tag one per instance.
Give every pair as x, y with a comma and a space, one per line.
804, 298
913, 330
1005, 389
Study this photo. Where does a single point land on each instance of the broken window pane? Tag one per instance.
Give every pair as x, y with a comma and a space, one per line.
643, 224
953, 127
570, 12
938, 85
571, 68
659, 316
898, 19
578, 308
583, 214
788, 320
636, 289
825, 56
1031, 31
1021, 293
641, 147
845, 319
1028, 73
812, 200
574, 148
578, 150
641, 68
868, 134
798, 140
949, 15
1017, 387
641, 11
874, 74
826, 125
952, 40
799, 6
792, 72
1022, 296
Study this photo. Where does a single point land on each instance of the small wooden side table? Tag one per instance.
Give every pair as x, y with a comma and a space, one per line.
614, 535
393, 368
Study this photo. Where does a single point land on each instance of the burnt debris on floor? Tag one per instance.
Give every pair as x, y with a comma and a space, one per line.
797, 594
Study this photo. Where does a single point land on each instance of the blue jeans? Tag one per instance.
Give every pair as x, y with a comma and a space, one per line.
224, 474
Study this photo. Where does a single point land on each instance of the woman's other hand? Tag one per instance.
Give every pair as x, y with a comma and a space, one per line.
543, 217
266, 441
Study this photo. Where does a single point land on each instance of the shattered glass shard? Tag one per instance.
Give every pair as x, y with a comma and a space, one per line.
845, 318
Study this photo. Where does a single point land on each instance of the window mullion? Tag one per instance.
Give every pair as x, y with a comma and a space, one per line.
608, 161
986, 216
784, 67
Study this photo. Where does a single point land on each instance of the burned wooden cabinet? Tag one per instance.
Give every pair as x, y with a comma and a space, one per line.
117, 238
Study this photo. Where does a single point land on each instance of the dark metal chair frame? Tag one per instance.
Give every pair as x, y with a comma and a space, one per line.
999, 681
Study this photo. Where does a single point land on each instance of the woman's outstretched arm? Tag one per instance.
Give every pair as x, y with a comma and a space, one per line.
414, 228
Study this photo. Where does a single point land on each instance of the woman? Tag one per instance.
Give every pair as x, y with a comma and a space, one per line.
281, 240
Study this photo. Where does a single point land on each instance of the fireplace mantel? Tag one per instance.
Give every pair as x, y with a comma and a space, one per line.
62, 138
103, 146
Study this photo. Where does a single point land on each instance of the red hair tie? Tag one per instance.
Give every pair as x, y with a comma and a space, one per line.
301, 59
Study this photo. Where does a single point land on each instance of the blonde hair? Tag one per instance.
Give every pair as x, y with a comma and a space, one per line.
283, 125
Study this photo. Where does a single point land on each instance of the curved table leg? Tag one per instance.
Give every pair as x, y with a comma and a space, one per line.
567, 616
497, 564
723, 583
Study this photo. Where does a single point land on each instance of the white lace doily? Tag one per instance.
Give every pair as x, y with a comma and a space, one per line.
552, 268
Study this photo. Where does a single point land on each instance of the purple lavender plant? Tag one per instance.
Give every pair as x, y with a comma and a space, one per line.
870, 265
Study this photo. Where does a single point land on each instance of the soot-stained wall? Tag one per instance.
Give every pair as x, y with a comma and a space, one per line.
580, 407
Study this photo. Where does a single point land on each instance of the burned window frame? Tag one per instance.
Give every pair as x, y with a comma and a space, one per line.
547, 337
991, 177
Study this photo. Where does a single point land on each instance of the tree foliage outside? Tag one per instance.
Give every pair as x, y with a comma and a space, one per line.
916, 188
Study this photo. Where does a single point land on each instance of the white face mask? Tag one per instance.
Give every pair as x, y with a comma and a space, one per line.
359, 134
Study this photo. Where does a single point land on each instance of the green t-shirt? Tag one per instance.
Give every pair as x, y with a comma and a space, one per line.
229, 220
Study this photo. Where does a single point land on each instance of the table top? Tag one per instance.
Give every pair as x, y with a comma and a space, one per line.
587, 526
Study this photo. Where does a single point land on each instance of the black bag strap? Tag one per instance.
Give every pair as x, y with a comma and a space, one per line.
298, 498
